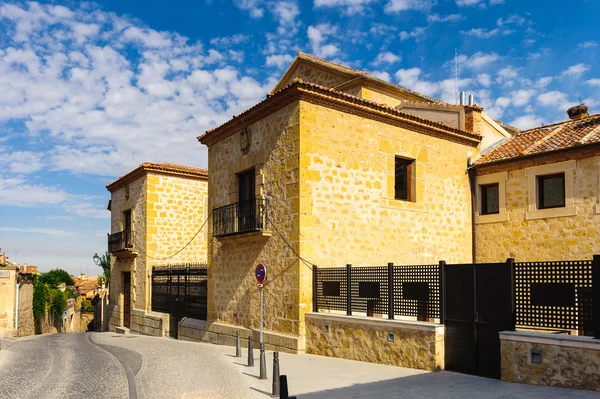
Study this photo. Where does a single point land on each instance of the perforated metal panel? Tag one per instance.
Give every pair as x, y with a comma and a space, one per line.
405, 302
554, 295
336, 275
376, 302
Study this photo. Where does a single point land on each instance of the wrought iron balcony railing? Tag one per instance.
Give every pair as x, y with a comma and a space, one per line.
123, 240
242, 217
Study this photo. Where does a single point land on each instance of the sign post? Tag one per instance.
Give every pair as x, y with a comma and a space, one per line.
261, 275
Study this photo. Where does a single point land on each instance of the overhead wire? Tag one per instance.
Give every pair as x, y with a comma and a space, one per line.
308, 264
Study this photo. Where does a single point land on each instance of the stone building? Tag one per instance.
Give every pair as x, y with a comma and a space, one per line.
8, 299
155, 210
335, 166
538, 193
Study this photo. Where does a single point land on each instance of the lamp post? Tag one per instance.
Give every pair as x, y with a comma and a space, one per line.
96, 259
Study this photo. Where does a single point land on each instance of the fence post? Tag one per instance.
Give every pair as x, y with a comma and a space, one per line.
442, 282
510, 262
349, 289
596, 295
315, 283
391, 291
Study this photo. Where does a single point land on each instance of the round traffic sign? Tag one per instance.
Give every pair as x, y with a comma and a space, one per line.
261, 273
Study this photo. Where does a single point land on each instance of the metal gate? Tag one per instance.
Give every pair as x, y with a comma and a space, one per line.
479, 304
181, 291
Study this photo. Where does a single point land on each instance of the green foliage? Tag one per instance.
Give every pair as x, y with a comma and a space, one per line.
58, 303
56, 276
86, 306
41, 297
105, 265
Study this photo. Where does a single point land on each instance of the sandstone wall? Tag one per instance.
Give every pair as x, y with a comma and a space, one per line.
553, 238
8, 287
150, 323
569, 362
319, 76
233, 297
416, 344
26, 322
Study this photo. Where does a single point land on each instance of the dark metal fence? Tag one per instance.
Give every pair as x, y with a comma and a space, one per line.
180, 290
241, 217
388, 290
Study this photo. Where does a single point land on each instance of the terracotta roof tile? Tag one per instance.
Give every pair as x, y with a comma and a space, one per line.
157, 167
545, 139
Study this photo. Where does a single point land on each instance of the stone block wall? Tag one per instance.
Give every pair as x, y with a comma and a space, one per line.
150, 323
224, 334
417, 345
26, 322
114, 317
566, 361
553, 238
8, 290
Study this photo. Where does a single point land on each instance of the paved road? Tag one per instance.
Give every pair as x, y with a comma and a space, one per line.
107, 365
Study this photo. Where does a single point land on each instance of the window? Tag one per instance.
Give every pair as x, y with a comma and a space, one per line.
403, 189
490, 199
127, 220
551, 191
247, 183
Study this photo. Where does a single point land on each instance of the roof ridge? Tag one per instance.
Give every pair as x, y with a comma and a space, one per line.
558, 123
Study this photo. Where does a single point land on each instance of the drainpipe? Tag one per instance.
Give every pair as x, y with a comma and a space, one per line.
472, 183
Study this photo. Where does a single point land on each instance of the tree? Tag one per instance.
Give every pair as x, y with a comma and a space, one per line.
54, 277
105, 265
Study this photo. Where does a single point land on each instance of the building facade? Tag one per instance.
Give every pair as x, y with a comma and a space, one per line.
156, 209
538, 193
334, 167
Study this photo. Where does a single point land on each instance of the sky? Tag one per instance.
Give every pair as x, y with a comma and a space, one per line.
88, 91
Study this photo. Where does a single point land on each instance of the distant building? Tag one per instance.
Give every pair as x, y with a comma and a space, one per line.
155, 211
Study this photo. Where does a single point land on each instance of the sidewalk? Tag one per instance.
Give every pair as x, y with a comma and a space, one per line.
311, 376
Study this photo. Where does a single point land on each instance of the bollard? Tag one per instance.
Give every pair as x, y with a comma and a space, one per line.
284, 388
275, 374
250, 352
238, 345
263, 362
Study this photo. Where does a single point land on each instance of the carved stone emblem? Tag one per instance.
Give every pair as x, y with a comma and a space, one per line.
245, 140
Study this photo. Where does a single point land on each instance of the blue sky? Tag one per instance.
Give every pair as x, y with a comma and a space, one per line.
88, 91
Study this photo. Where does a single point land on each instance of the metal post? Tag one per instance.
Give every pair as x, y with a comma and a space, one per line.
284, 388
349, 289
263, 362
250, 352
442, 291
391, 291
261, 316
238, 345
315, 283
596, 295
275, 374
513, 287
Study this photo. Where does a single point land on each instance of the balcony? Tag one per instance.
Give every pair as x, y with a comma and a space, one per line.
121, 241
241, 218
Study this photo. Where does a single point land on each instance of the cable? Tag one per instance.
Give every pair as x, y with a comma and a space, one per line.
306, 262
185, 246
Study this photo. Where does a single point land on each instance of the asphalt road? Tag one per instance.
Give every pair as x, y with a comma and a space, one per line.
107, 365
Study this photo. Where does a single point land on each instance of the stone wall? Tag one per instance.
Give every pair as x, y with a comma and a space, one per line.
8, 289
150, 323
233, 297
114, 317
417, 345
26, 322
224, 334
566, 361
552, 238
316, 75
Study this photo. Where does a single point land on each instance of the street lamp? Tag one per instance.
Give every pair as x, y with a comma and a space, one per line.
96, 259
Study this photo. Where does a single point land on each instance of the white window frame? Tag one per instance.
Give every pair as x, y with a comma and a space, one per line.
568, 168
502, 215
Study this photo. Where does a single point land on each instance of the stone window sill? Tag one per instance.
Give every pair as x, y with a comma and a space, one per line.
551, 213
495, 218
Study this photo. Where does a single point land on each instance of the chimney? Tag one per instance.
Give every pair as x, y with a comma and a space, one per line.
471, 100
578, 112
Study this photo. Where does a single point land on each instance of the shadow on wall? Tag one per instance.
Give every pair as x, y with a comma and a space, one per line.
442, 384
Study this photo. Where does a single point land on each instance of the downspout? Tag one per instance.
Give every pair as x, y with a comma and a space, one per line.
473, 187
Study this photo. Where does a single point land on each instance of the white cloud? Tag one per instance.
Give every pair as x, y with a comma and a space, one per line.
476, 61
448, 18
386, 57
527, 121
227, 41
593, 82
254, 7
279, 60
286, 13
34, 230
468, 3
317, 35
485, 33
576, 70
512, 20
555, 99
350, 6
521, 97
396, 6
445, 89
382, 75
484, 79
22, 161
588, 44
417, 33
543, 82
507, 75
